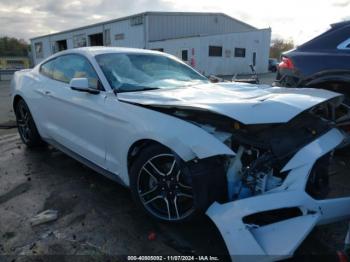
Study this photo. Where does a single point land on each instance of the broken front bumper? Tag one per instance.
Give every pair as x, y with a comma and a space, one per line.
280, 239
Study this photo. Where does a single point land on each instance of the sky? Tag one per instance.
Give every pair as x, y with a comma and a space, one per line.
298, 20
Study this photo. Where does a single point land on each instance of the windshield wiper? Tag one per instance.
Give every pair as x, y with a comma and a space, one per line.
130, 88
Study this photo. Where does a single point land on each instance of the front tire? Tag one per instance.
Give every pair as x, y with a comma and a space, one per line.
26, 127
159, 186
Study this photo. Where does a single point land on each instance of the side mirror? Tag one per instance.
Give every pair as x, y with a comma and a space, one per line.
82, 85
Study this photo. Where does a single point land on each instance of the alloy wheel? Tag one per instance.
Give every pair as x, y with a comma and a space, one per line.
163, 189
23, 122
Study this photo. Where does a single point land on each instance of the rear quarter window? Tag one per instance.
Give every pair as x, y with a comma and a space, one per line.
345, 45
46, 69
72, 66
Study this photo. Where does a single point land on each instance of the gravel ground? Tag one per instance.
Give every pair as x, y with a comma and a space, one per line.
96, 217
6, 114
265, 79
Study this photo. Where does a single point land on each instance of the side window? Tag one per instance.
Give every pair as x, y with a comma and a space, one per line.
74, 66
344, 45
47, 68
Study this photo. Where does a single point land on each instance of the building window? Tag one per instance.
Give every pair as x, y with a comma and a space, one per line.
59, 46
239, 52
215, 50
136, 20
158, 49
184, 55
96, 39
39, 50
119, 37
107, 35
79, 41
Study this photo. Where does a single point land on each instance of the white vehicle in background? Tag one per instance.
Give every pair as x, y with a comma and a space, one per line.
254, 158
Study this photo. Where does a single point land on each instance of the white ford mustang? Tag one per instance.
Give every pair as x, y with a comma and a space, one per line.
254, 158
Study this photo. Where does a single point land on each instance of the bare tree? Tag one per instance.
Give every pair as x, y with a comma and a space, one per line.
13, 47
279, 45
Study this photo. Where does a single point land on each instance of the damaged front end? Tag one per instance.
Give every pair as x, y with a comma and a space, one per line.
268, 197
273, 224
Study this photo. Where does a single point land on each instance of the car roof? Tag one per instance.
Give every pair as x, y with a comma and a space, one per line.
93, 51
330, 39
98, 50
340, 24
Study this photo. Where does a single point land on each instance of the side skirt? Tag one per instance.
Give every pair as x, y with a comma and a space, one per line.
86, 162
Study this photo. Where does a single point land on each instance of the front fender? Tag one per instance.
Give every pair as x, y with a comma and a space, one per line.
185, 139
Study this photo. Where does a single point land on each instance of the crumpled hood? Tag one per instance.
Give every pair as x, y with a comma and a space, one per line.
249, 104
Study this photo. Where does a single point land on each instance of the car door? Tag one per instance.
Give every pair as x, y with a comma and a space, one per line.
75, 119
38, 106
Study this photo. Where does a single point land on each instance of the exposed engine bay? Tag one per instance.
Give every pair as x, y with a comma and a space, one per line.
261, 152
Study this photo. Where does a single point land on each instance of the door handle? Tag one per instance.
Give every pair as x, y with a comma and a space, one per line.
43, 92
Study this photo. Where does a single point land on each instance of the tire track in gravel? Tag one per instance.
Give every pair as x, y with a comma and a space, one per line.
14, 192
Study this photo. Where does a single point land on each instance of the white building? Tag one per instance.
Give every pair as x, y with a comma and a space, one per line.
213, 43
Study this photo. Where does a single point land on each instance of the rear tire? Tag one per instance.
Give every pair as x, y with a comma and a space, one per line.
159, 186
26, 127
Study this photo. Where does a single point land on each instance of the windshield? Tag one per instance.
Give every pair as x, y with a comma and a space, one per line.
135, 72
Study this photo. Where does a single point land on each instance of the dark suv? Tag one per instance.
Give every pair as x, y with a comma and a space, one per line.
273, 64
323, 62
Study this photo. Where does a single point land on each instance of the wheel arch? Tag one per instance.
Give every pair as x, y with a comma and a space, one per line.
16, 99
331, 82
334, 85
136, 148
